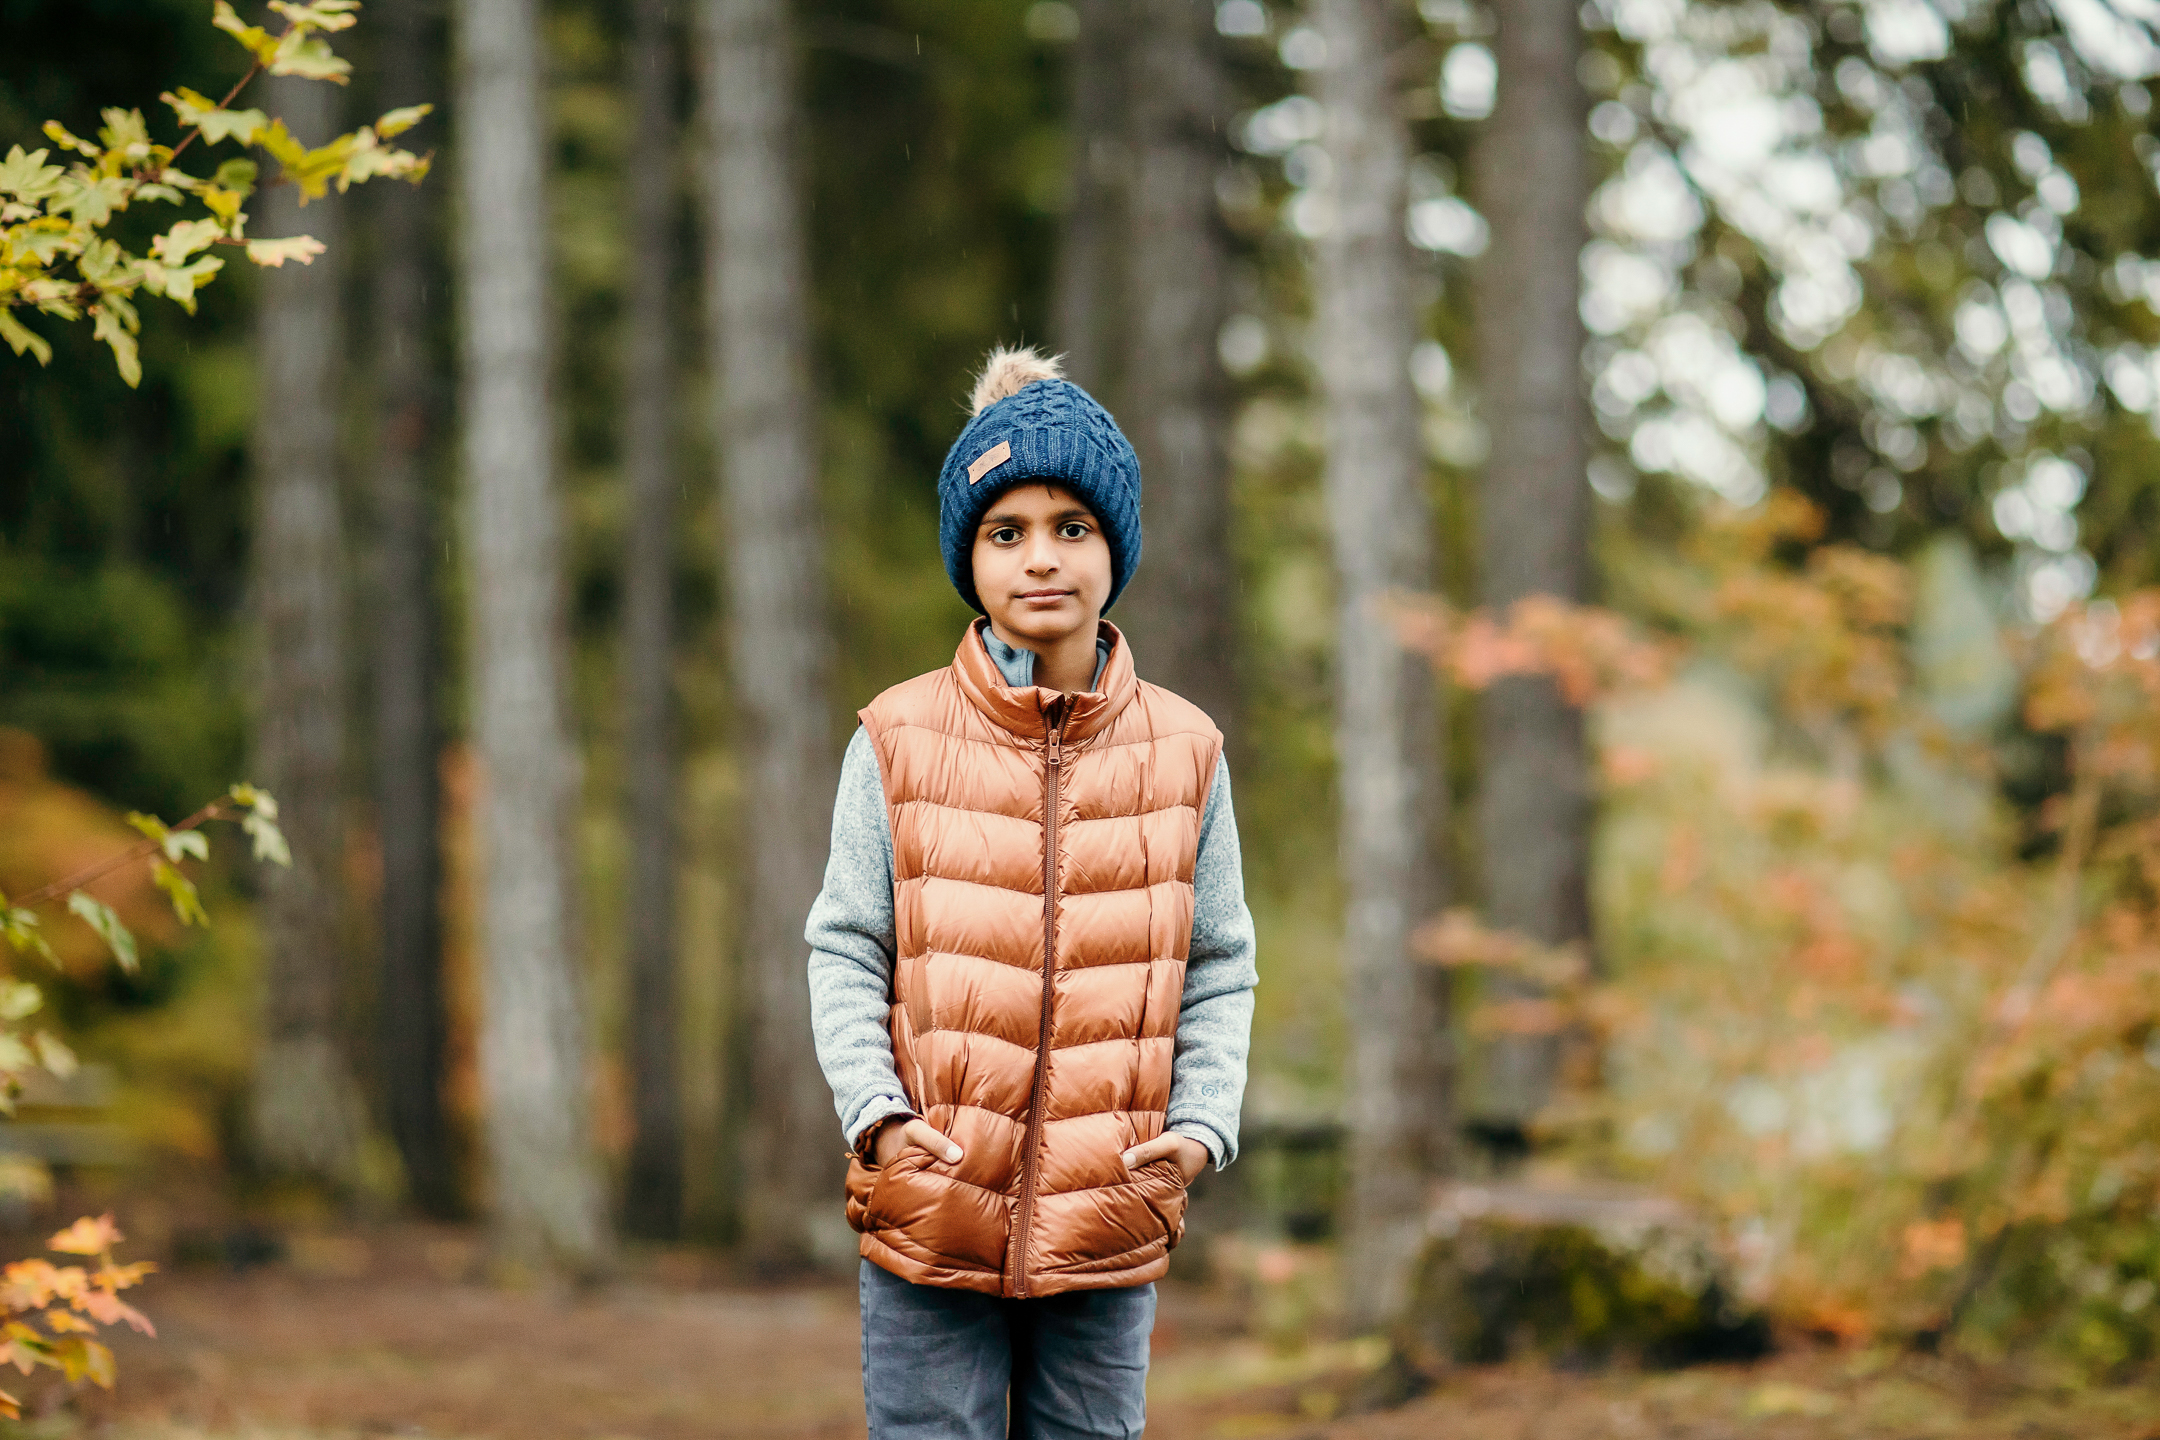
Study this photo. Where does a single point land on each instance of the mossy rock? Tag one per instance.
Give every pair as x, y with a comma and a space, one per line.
1580, 1279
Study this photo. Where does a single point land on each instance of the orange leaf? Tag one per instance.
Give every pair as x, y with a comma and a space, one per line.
87, 1237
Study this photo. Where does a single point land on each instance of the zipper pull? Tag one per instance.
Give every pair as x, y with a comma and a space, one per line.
1057, 733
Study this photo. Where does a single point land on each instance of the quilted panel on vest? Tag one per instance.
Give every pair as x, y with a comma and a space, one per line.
965, 795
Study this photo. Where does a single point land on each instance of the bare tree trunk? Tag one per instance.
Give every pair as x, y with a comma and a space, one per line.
758, 291
1180, 609
653, 1187
408, 736
1387, 725
1086, 263
307, 1112
545, 1187
1534, 508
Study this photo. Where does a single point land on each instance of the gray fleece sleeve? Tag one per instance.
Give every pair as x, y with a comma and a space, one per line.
1214, 1033
852, 940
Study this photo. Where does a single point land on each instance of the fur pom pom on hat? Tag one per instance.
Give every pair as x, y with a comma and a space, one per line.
1031, 423
1010, 369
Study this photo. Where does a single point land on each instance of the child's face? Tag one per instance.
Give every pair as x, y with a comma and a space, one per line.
1042, 566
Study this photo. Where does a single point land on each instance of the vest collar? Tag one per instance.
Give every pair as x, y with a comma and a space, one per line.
1021, 712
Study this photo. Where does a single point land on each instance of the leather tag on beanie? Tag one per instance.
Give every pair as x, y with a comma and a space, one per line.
989, 460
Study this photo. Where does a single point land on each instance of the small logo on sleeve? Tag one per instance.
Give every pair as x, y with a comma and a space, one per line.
989, 460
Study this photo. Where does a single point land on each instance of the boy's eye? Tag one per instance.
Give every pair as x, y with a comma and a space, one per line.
1005, 535
1073, 530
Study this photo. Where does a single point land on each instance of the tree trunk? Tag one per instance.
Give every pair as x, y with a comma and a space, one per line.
758, 291
307, 1114
545, 1188
408, 736
1534, 509
1180, 610
1387, 723
1087, 264
653, 1186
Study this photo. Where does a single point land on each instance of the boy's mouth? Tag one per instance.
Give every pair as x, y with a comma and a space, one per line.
1044, 595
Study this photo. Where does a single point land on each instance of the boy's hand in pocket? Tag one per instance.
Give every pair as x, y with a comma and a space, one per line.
1191, 1156
894, 1137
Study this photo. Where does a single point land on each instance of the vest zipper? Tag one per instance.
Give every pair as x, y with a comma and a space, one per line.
1042, 1034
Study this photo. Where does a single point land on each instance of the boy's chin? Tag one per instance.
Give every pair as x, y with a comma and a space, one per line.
1045, 627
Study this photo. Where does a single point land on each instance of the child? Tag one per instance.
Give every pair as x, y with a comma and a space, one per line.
1031, 965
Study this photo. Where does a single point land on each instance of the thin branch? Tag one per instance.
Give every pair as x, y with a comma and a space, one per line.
140, 850
224, 104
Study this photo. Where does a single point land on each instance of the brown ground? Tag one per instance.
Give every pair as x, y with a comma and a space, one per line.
344, 1342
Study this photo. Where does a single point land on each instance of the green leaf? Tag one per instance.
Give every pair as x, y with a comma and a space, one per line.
19, 998
397, 122
274, 253
101, 918
67, 140
309, 57
178, 283
21, 929
28, 177
20, 338
54, 1055
199, 112
175, 843
107, 266
177, 244
283, 148
322, 15
269, 840
237, 175
225, 204
186, 903
125, 131
148, 826
92, 201
254, 797
258, 41
110, 329
43, 239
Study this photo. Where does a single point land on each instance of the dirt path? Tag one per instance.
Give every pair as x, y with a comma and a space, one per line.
284, 1354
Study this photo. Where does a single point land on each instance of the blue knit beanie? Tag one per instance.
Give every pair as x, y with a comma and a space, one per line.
1032, 424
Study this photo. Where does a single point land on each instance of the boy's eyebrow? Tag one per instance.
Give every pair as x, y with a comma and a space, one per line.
1008, 517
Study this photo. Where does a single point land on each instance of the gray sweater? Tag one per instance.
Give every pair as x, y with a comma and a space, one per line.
851, 935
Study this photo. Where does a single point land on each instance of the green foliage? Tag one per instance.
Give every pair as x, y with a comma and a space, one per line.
55, 216
165, 848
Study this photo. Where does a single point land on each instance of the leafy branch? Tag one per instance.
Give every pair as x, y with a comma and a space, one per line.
166, 848
56, 256
72, 1300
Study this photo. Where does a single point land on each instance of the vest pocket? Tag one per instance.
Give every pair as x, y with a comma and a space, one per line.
861, 1187
864, 1185
1163, 1187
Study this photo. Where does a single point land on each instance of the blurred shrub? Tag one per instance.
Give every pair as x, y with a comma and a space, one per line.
1500, 1286
1899, 1036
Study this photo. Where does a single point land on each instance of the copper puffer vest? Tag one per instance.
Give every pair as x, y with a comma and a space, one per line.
1043, 850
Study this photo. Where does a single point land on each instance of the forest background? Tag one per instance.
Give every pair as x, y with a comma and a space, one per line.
1814, 343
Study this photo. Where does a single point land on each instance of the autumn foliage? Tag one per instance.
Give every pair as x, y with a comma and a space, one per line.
70, 1302
1895, 1032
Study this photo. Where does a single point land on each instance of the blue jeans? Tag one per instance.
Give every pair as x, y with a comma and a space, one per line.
940, 1364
